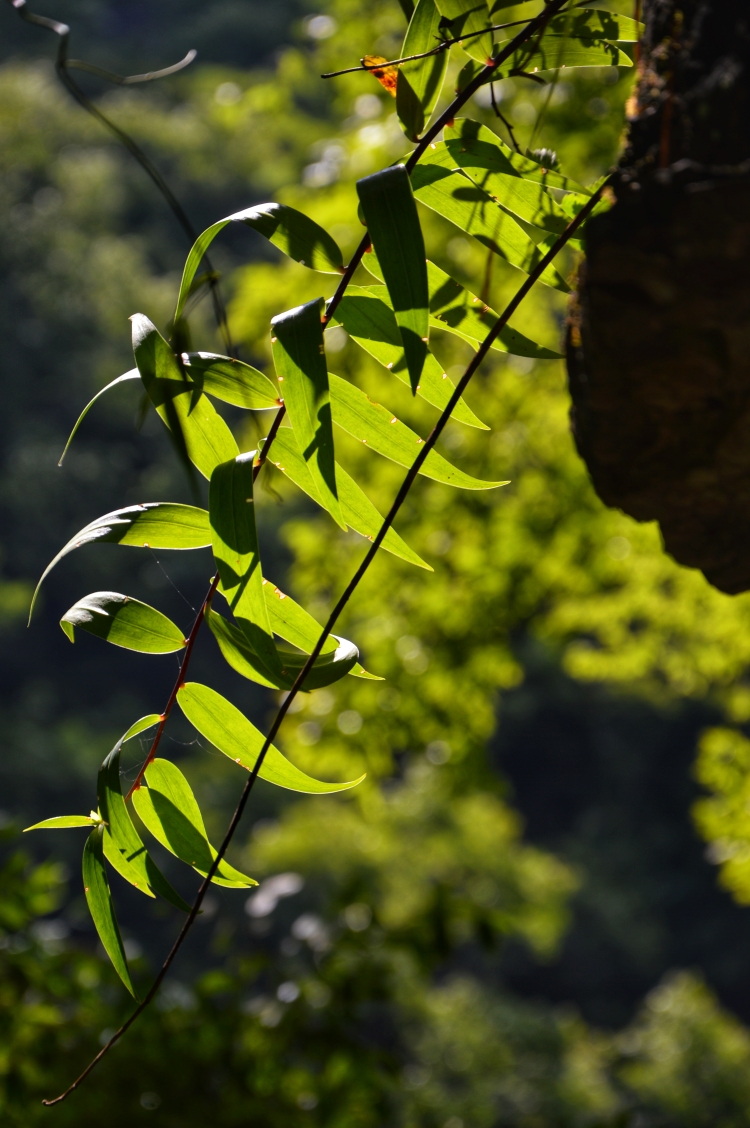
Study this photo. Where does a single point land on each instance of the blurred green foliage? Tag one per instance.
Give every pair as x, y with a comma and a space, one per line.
375, 994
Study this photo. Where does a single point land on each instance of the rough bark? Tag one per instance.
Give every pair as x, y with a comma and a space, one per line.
659, 332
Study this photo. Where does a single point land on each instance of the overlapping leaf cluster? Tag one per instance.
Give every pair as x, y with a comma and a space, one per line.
514, 205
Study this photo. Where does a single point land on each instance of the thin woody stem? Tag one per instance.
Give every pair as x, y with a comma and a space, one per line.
537, 24
443, 45
190, 643
62, 67
341, 604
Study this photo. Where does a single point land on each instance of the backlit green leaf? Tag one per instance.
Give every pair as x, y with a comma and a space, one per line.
420, 82
236, 649
458, 311
293, 623
359, 512
556, 52
231, 381
99, 900
379, 429
188, 414
124, 621
596, 23
141, 726
299, 356
231, 508
288, 229
62, 822
393, 223
367, 316
155, 524
477, 143
123, 847
457, 198
168, 809
467, 16
134, 374
231, 732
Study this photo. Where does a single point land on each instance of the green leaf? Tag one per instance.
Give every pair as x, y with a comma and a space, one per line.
201, 434
231, 508
293, 623
367, 316
155, 524
134, 374
469, 141
99, 899
299, 356
359, 512
231, 381
467, 16
168, 809
123, 847
124, 621
596, 23
420, 82
288, 229
238, 652
530, 202
556, 52
382, 431
141, 725
457, 198
458, 311
63, 822
393, 223
231, 732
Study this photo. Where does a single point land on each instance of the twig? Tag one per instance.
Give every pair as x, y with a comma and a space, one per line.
443, 45
190, 642
406, 485
62, 67
503, 118
539, 22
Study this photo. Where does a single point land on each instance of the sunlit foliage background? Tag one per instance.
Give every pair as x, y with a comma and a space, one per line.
524, 916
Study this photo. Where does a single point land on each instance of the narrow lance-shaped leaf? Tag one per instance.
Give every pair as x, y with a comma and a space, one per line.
142, 725
467, 16
233, 734
123, 847
530, 202
235, 544
196, 427
393, 223
420, 82
168, 809
489, 151
124, 621
557, 52
134, 374
290, 230
155, 524
359, 512
456, 310
457, 198
99, 900
64, 822
293, 623
232, 381
378, 428
299, 356
367, 315
235, 648
596, 23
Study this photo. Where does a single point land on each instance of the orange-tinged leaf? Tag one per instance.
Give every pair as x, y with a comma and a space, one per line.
386, 76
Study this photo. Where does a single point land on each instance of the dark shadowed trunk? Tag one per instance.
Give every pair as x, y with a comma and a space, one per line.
659, 334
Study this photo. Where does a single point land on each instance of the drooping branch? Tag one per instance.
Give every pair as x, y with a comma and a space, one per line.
63, 66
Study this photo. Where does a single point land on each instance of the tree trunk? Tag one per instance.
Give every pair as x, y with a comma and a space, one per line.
659, 331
